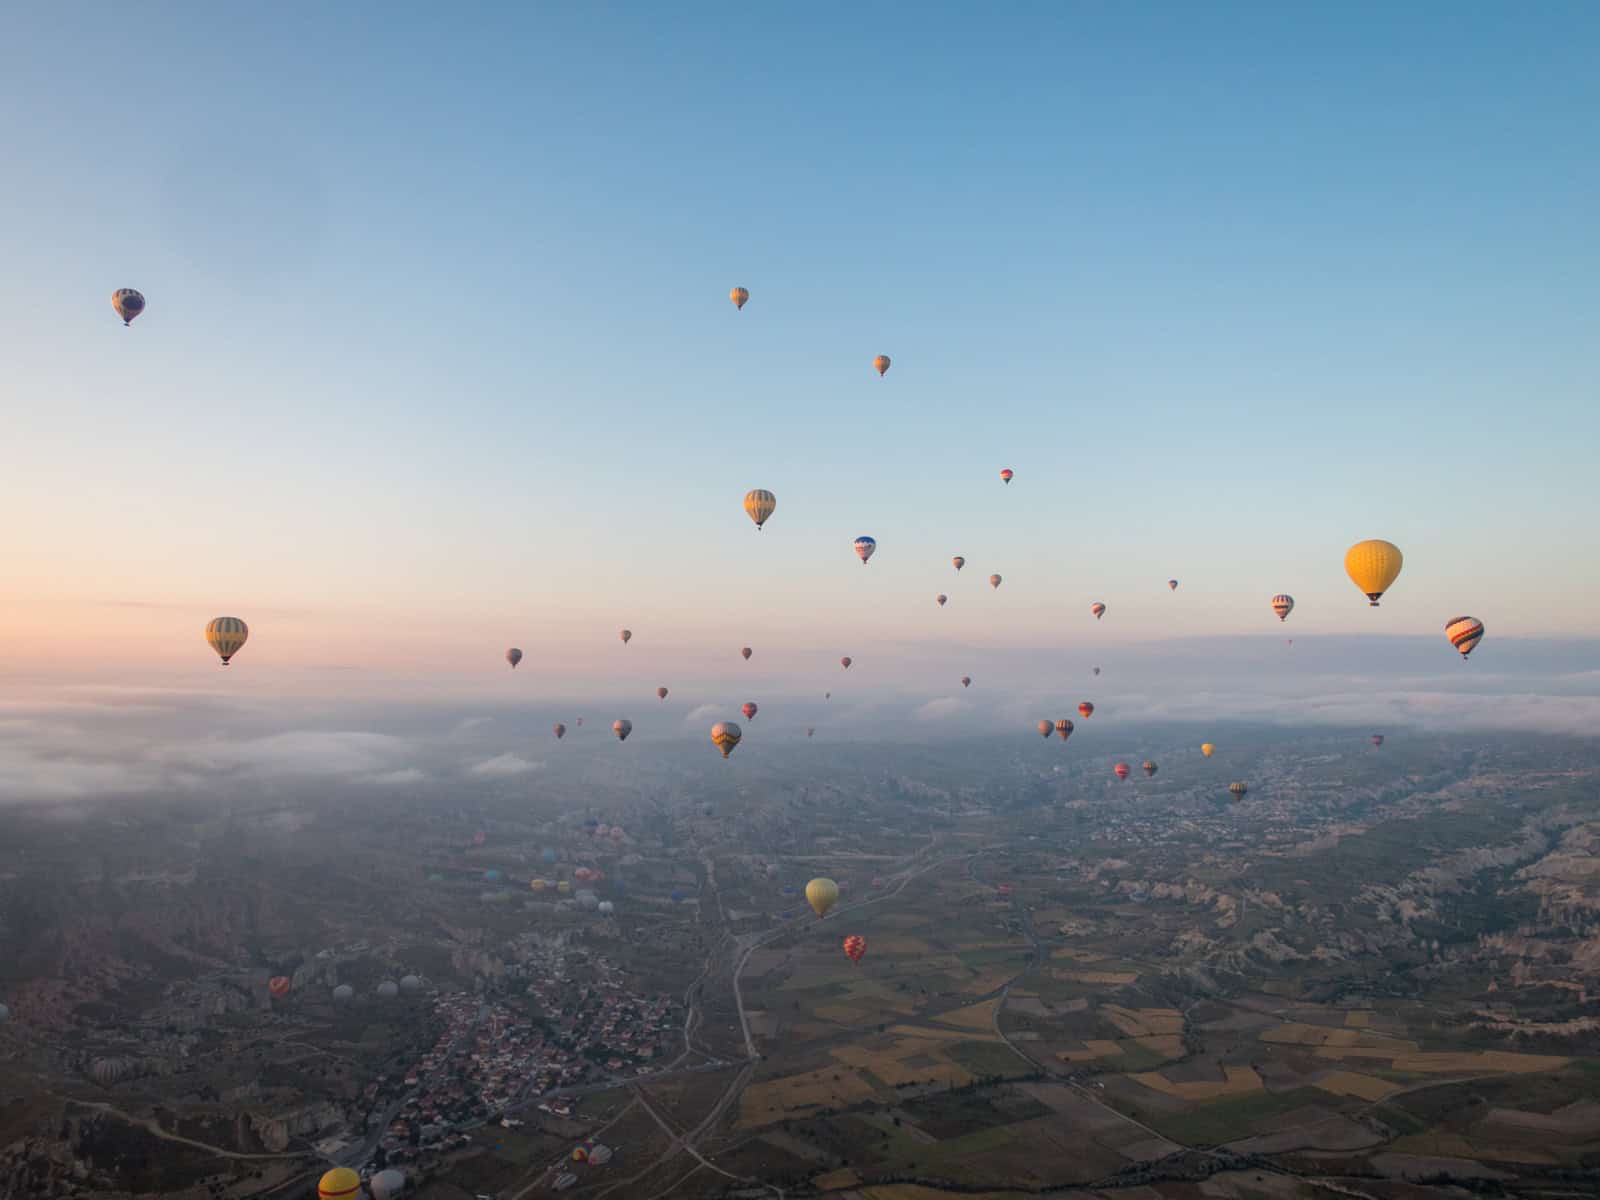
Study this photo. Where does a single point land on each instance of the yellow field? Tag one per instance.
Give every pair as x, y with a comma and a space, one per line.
917, 1191
1239, 1081
1168, 1045
1482, 1060
844, 1014
1093, 1049
773, 1099
1334, 1042
1358, 1020
1143, 1022
844, 1177
974, 1016
1452, 1145
1114, 978
1083, 956
1363, 1087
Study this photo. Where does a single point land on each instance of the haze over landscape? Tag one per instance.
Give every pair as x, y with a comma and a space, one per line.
430, 355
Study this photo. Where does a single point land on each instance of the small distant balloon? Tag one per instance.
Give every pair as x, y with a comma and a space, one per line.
940, 599
1064, 729
994, 581
661, 693
1098, 609
1086, 710
966, 681
626, 635
1283, 605
1172, 585
881, 365
1046, 728
810, 731
1006, 474
1464, 633
1120, 770
740, 297
749, 708
846, 661
1207, 749
958, 562
226, 635
854, 947
622, 729
513, 656
1238, 789
745, 652
758, 505
822, 894
1149, 768
865, 548
1377, 739
128, 304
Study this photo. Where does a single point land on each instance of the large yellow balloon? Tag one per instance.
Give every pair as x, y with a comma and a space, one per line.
822, 894
758, 505
1373, 566
226, 635
1207, 749
341, 1183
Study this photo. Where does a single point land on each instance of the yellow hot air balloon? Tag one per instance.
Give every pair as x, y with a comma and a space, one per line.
226, 635
341, 1183
1373, 566
1207, 749
881, 364
725, 736
758, 505
822, 894
740, 296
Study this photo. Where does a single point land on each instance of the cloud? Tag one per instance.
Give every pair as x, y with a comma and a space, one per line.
300, 752
467, 724
706, 714
395, 778
941, 709
503, 765
27, 776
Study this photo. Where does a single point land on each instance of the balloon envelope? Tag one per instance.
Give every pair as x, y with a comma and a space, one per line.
1207, 749
822, 894
1283, 605
958, 562
1098, 609
749, 708
740, 296
128, 304
854, 947
994, 581
626, 635
1464, 633
513, 656
622, 729
745, 652
1373, 566
865, 548
758, 505
560, 730
880, 364
226, 635
725, 736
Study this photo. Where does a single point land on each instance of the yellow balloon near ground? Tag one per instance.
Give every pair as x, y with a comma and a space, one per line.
822, 894
1373, 566
341, 1183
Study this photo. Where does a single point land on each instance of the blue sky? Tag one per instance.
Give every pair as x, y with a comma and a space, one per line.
439, 353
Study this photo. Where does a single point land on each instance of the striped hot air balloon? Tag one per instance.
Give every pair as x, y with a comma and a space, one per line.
1239, 790
854, 947
1283, 605
725, 736
740, 297
1464, 633
128, 304
865, 548
1064, 729
758, 505
226, 635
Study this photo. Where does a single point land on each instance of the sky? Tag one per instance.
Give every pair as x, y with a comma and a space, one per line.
439, 357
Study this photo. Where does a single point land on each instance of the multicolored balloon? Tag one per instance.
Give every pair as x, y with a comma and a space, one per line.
1120, 770
725, 736
940, 599
854, 947
513, 656
1464, 633
1238, 789
626, 635
865, 547
1373, 566
1086, 710
1283, 605
1098, 609
749, 708
1149, 768
994, 581
758, 505
881, 364
128, 304
1006, 474
740, 297
1064, 729
622, 728
226, 635
958, 562
278, 986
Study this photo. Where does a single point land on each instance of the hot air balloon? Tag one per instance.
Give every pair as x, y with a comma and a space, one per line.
607, 908
341, 1183
881, 364
822, 894
410, 984
1096, 670
1005, 474
343, 994
1283, 605
128, 303
994, 581
1238, 790
1373, 566
626, 635
1046, 728
579, 722
740, 296
940, 599
846, 661
865, 548
278, 986
622, 728
758, 505
1086, 710
827, 695
1064, 729
725, 736
226, 635
661, 693
1207, 749
1377, 739
1098, 609
958, 562
677, 896
1120, 770
745, 652
513, 656
966, 681
1464, 633
749, 708
107, 1071
560, 730
1149, 768
854, 947
388, 1184
810, 731
1172, 585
